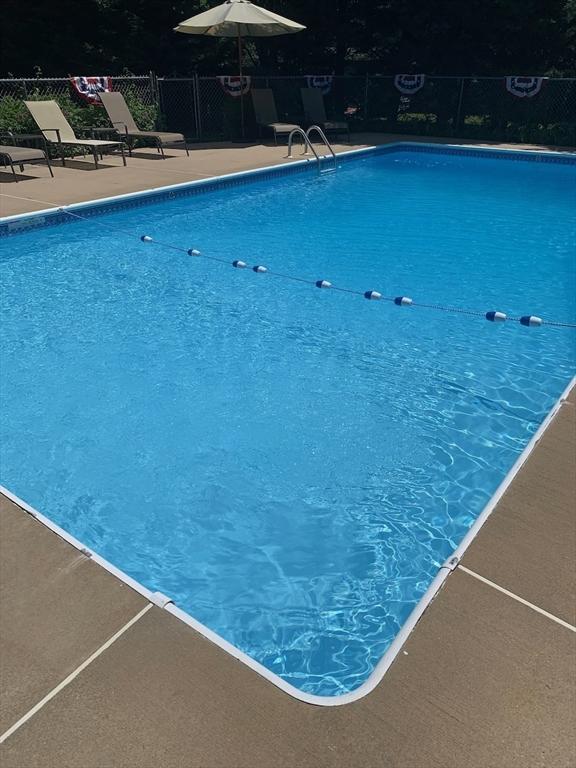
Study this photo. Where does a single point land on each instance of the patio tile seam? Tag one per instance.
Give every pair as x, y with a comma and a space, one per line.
74, 674
516, 597
30, 199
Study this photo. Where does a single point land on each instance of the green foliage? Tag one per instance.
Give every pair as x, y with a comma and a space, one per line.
419, 118
559, 134
14, 116
145, 115
482, 127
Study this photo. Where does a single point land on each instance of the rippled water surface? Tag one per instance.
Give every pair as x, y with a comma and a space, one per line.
290, 465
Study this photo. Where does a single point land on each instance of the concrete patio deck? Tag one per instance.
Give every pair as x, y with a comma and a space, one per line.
81, 181
94, 676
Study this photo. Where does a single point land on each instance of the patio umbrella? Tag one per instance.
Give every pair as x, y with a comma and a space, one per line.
239, 19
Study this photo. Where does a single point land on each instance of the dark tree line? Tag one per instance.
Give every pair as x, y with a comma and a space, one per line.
483, 37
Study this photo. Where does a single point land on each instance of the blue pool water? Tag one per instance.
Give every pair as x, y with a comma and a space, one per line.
291, 466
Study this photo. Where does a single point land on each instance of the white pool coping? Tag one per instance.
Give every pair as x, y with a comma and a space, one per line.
165, 603
173, 187
18, 217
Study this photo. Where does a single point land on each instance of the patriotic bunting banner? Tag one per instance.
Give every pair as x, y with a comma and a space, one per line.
90, 88
524, 87
235, 86
322, 82
409, 84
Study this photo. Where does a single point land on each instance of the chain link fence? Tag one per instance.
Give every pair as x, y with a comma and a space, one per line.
203, 108
141, 94
489, 111
477, 108
141, 86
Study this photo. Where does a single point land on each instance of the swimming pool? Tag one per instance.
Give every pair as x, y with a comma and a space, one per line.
291, 466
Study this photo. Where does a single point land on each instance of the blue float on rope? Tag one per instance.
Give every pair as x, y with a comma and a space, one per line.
403, 301
259, 268
372, 295
323, 284
495, 317
193, 252
531, 320
239, 264
146, 239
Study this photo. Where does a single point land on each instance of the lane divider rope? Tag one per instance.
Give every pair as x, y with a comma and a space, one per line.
493, 316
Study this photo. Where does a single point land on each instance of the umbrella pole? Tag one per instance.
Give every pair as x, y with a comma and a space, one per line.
241, 82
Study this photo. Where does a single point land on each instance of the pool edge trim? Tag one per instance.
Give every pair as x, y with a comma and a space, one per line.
308, 161
393, 650
143, 193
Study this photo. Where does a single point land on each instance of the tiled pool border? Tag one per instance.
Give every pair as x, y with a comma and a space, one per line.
52, 217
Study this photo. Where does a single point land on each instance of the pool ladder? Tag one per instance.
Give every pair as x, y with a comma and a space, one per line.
309, 146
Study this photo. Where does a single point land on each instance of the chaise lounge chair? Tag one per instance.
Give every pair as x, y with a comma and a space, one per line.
315, 113
122, 120
266, 114
11, 155
57, 130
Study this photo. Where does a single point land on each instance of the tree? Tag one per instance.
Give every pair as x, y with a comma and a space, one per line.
484, 37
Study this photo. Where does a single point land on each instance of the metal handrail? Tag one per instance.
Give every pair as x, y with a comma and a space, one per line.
307, 144
322, 135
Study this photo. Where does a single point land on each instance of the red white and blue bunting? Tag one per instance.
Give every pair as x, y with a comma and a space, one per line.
409, 84
89, 88
322, 82
235, 86
524, 87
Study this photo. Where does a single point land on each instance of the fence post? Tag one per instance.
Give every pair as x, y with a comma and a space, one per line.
459, 109
197, 105
154, 90
366, 98
152, 86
